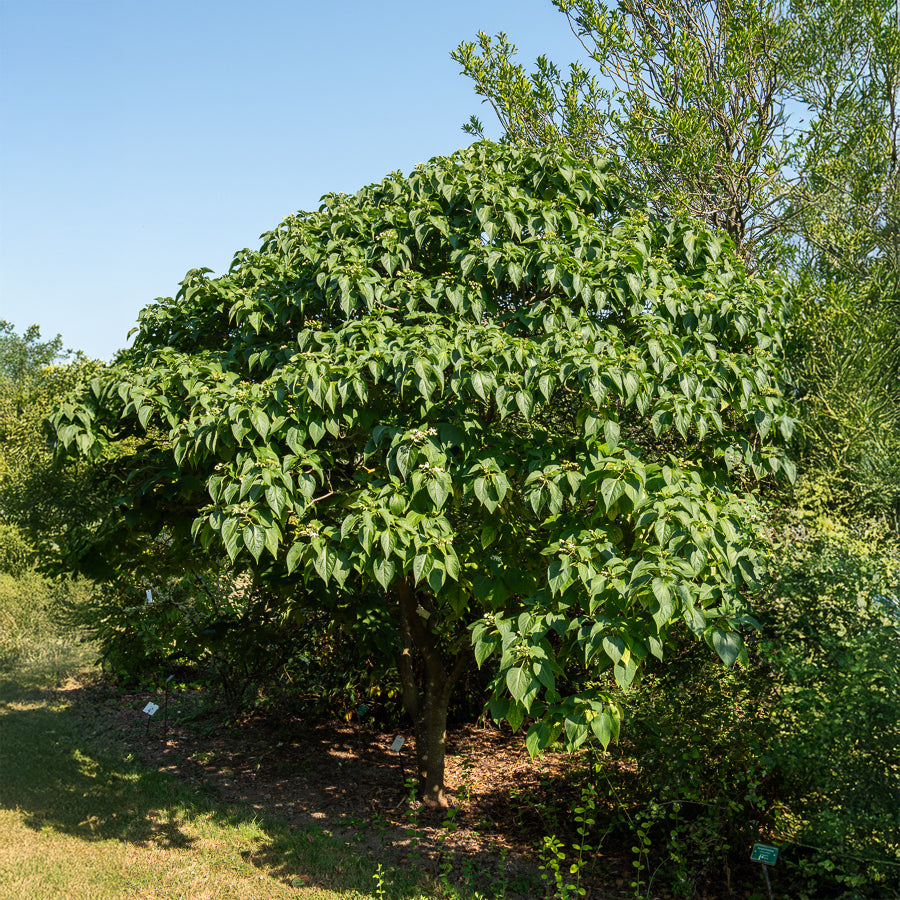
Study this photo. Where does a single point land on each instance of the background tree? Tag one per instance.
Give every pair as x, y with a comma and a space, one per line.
39, 500
688, 97
845, 214
491, 396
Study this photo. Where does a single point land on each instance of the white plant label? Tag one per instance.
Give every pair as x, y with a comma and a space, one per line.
399, 741
149, 595
150, 709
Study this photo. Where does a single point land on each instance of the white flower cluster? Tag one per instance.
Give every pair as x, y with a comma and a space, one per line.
419, 437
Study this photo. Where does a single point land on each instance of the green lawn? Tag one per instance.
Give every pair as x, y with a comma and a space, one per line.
78, 821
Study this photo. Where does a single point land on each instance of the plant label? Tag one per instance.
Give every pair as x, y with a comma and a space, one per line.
149, 595
763, 853
399, 741
150, 709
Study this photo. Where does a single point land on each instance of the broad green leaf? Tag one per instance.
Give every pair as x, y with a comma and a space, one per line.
383, 570
254, 539
727, 644
518, 681
602, 728
260, 421
293, 556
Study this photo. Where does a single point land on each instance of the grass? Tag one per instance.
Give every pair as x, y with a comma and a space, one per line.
79, 821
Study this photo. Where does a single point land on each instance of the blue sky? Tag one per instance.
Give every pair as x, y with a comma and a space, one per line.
139, 140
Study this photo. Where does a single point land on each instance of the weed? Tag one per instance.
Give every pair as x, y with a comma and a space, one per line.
379, 879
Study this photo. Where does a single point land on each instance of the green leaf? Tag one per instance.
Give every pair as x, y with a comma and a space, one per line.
422, 566
483, 649
480, 385
438, 491
525, 402
602, 728
539, 736
324, 563
293, 556
383, 570
260, 421
254, 539
273, 540
789, 469
614, 647
451, 563
665, 607
611, 433
727, 644
518, 681
231, 537
489, 532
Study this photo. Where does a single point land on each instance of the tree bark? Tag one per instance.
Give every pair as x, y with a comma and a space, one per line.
426, 699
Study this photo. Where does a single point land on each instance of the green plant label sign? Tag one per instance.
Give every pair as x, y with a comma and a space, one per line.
763, 853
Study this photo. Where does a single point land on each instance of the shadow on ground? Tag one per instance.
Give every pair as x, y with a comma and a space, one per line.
62, 767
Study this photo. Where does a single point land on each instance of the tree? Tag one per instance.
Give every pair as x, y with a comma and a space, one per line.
688, 96
498, 400
38, 500
845, 218
24, 356
692, 99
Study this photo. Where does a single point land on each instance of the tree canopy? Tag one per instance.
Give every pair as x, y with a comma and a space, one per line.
499, 399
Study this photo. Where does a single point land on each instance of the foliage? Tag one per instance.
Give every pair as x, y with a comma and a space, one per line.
32, 633
831, 216
16, 553
32, 497
692, 98
215, 629
25, 356
688, 96
844, 213
797, 748
704, 785
40, 502
491, 394
833, 624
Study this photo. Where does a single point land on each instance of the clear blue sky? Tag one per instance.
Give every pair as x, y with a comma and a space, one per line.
139, 140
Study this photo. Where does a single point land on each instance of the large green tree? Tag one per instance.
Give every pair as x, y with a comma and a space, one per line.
497, 399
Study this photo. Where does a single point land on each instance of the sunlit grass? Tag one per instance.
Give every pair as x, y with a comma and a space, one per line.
79, 821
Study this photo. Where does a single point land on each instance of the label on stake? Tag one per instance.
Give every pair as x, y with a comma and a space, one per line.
399, 741
764, 853
151, 709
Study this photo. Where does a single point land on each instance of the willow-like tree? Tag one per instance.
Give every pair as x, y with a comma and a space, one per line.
497, 399
688, 95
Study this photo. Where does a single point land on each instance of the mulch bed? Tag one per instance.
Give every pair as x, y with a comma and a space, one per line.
342, 778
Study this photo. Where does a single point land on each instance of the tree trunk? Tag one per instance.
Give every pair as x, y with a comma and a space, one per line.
427, 702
